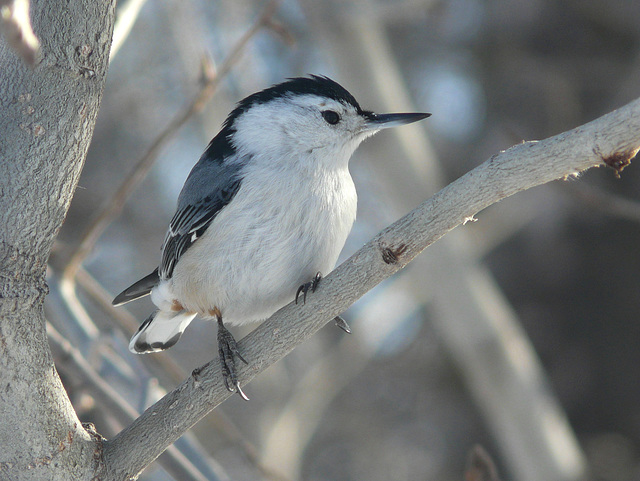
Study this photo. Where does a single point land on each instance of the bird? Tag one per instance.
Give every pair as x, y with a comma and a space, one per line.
265, 210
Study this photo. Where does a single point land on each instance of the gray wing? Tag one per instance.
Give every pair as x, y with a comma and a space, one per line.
211, 185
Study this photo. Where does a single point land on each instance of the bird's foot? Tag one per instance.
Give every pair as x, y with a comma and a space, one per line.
312, 285
228, 351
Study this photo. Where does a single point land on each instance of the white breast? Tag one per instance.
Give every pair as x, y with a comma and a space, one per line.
274, 236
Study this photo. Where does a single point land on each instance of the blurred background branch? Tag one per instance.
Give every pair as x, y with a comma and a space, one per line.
480, 466
15, 25
127, 15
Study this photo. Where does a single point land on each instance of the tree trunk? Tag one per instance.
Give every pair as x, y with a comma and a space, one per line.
47, 116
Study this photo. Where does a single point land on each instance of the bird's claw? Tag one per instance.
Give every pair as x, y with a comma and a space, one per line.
228, 351
312, 285
342, 324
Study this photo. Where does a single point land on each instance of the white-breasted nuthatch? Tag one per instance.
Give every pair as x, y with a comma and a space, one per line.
267, 208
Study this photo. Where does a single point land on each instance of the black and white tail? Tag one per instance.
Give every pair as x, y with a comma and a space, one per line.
160, 331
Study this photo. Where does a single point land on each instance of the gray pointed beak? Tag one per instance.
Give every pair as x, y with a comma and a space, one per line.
385, 121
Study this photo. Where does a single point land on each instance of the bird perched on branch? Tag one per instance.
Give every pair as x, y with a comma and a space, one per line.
266, 209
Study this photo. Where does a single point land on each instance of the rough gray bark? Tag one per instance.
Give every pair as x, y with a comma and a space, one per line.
47, 117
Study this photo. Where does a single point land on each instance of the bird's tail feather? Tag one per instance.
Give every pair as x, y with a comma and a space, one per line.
160, 331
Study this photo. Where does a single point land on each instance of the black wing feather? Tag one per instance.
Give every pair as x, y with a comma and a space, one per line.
137, 290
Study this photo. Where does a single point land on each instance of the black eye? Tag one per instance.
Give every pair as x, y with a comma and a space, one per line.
331, 117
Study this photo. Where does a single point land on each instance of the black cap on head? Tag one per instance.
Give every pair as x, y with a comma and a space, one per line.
313, 85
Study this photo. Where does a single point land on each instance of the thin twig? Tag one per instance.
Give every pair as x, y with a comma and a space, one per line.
115, 204
128, 13
613, 139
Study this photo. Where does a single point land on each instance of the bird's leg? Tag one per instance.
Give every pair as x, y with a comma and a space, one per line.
312, 285
227, 349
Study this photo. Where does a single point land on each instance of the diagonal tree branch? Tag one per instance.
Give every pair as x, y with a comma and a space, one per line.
613, 139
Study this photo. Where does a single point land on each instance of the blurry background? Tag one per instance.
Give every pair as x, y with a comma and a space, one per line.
518, 332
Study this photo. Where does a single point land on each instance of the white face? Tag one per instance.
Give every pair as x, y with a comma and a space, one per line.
301, 128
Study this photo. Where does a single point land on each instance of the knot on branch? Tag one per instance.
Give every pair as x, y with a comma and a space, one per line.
619, 160
391, 255
98, 450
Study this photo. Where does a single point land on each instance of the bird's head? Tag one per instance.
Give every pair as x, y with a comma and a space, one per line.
310, 119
